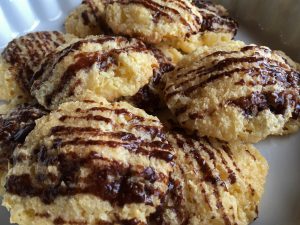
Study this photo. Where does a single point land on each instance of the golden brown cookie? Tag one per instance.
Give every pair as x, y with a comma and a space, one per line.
172, 25
89, 162
22, 57
153, 21
213, 183
234, 92
111, 67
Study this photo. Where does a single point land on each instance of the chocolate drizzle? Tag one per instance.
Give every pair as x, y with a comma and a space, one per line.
165, 65
173, 200
123, 189
212, 19
147, 97
14, 127
215, 20
164, 10
79, 155
83, 61
159, 149
196, 150
263, 71
207, 171
97, 14
215, 166
61, 221
27, 52
277, 102
269, 74
118, 112
86, 117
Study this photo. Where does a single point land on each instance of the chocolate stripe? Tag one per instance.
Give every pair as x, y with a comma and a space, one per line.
180, 143
162, 10
268, 75
115, 111
59, 56
232, 177
256, 102
287, 78
112, 182
98, 18
64, 130
213, 55
209, 177
212, 20
14, 128
86, 60
153, 149
276, 102
35, 46
86, 117
61, 221
230, 155
192, 151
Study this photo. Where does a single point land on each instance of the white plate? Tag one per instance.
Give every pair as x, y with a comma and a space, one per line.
281, 202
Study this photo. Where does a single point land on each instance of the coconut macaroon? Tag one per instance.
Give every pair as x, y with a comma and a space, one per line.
89, 163
21, 58
172, 25
234, 92
213, 183
153, 21
111, 67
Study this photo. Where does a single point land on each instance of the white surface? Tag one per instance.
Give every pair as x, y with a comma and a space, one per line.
281, 202
21, 16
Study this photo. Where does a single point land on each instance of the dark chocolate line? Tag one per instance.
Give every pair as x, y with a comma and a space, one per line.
115, 111
158, 150
112, 182
159, 10
59, 56
219, 66
86, 60
86, 117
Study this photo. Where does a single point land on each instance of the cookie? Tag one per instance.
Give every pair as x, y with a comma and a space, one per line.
153, 21
234, 92
110, 67
179, 25
213, 183
90, 162
22, 57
